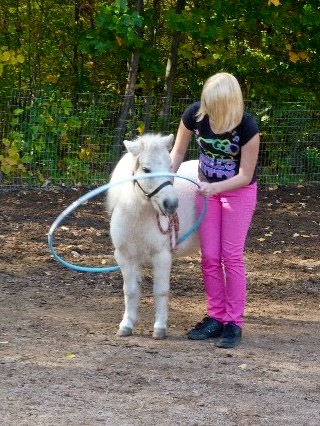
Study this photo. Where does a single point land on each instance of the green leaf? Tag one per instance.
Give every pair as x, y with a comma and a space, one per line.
18, 111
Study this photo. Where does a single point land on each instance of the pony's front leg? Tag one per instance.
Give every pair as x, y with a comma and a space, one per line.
131, 290
161, 285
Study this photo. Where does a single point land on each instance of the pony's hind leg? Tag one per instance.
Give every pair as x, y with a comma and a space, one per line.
161, 286
131, 290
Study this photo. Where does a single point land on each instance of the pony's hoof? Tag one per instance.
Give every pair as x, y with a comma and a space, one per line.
160, 334
124, 332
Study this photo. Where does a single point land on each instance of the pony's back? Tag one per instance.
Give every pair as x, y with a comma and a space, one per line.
186, 191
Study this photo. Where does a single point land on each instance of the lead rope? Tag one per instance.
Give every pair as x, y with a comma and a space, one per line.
172, 230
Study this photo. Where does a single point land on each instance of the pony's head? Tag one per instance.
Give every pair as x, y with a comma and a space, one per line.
151, 152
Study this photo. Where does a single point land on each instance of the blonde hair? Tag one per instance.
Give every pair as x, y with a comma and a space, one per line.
222, 101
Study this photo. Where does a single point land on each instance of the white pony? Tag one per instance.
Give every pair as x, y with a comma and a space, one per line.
144, 220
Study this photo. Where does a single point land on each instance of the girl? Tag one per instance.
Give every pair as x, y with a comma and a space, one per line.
228, 140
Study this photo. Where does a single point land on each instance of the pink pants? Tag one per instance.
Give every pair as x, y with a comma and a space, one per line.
223, 233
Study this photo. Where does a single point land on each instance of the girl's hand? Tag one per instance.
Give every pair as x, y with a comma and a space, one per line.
206, 189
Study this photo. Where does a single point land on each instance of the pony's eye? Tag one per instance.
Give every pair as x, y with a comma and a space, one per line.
146, 170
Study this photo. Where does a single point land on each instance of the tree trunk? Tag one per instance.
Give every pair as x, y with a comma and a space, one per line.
75, 62
148, 76
128, 101
129, 94
171, 69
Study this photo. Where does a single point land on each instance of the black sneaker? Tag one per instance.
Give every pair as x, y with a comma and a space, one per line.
230, 337
206, 329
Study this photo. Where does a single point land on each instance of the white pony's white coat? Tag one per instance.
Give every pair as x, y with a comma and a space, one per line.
134, 228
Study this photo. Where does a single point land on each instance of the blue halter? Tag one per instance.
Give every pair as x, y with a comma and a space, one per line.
96, 192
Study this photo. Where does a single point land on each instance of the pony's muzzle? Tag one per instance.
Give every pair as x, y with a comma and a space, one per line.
170, 206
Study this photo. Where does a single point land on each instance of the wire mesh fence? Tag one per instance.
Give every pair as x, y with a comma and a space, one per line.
60, 138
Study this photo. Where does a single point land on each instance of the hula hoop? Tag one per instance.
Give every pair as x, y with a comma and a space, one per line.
96, 192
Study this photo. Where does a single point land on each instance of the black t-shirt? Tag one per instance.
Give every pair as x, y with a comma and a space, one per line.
220, 154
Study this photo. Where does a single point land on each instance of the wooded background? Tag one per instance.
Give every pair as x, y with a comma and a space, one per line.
161, 47
151, 53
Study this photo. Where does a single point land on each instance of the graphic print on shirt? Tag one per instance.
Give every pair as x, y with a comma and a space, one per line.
217, 157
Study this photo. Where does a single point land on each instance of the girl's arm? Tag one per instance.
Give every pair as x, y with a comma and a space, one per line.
180, 146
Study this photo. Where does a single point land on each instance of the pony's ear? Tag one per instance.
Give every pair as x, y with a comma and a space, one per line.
133, 146
169, 141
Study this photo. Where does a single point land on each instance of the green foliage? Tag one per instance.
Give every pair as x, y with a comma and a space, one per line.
312, 160
12, 158
9, 58
11, 162
289, 142
49, 139
116, 30
271, 46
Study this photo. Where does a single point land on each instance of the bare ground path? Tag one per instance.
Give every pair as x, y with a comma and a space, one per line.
62, 365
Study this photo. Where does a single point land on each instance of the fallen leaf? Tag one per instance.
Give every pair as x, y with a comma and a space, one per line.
70, 355
243, 366
261, 239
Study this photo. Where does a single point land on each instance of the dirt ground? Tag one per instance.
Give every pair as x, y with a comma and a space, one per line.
61, 363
